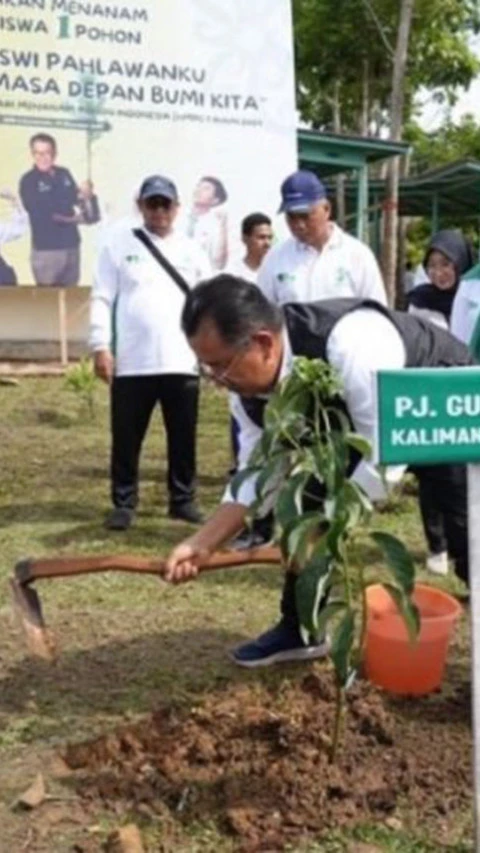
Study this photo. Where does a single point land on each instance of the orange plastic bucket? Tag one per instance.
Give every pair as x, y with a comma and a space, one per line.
391, 660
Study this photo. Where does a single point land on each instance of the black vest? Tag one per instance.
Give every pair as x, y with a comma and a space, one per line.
309, 326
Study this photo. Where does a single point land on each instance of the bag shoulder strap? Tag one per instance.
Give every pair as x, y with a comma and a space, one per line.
162, 260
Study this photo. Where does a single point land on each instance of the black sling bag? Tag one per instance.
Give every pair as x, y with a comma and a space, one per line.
162, 260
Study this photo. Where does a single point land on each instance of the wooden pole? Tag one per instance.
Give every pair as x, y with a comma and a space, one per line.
62, 326
473, 476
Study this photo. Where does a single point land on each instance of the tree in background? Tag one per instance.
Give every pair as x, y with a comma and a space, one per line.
447, 144
351, 43
345, 52
397, 101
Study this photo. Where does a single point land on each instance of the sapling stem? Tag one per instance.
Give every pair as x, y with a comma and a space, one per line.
337, 726
363, 630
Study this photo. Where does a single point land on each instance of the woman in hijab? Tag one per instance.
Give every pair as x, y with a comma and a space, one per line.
448, 256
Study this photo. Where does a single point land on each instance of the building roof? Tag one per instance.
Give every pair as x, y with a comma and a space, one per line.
333, 153
452, 190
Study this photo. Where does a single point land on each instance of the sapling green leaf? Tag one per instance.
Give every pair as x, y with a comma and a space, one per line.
305, 452
407, 609
300, 537
240, 478
289, 503
359, 443
310, 588
82, 381
329, 611
399, 560
341, 648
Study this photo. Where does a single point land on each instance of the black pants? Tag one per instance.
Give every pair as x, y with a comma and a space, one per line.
133, 401
443, 503
447, 486
432, 517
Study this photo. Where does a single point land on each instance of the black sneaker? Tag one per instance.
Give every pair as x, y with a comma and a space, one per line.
260, 533
280, 644
248, 539
120, 518
186, 512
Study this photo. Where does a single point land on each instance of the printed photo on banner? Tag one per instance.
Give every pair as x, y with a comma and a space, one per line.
96, 96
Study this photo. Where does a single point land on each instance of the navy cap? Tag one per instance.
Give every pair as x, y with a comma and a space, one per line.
300, 192
158, 185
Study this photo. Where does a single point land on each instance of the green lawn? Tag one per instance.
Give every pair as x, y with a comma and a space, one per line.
127, 643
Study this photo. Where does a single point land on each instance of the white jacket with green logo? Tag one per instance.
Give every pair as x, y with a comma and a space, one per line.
465, 321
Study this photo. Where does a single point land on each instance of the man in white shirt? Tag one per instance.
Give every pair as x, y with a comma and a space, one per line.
257, 236
247, 344
141, 351
319, 260
465, 320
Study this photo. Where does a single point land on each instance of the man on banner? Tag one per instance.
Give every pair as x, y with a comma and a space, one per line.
247, 343
319, 260
56, 206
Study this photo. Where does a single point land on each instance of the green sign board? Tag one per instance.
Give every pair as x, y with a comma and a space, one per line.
429, 415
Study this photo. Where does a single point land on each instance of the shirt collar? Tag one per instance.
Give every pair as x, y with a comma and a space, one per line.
335, 238
285, 365
333, 242
287, 357
155, 238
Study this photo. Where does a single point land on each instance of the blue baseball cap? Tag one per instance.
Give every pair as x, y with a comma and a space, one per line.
158, 185
300, 192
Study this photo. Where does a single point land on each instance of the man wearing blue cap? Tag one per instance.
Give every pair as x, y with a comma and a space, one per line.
141, 280
319, 260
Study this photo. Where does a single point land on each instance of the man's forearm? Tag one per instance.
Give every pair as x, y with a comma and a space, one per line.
222, 526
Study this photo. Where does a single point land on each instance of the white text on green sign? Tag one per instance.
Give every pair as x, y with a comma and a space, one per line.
429, 416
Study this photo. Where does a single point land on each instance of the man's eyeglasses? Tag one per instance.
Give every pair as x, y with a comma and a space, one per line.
158, 201
219, 375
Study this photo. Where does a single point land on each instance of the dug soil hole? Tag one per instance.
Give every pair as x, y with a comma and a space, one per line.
254, 759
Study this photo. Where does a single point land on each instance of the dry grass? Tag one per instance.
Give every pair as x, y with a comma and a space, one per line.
127, 643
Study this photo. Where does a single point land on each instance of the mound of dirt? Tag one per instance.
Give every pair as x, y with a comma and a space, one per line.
255, 760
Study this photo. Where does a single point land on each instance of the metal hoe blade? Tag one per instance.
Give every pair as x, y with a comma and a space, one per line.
27, 606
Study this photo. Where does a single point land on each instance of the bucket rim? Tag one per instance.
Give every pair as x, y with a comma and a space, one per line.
456, 607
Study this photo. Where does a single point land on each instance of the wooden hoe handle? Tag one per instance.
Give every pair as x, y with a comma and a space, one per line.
29, 570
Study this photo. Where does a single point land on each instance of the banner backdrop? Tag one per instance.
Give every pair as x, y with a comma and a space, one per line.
116, 91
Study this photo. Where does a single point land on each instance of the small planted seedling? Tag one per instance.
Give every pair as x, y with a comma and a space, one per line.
306, 451
82, 381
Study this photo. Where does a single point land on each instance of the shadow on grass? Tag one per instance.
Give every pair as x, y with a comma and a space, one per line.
44, 511
54, 418
120, 676
149, 473
155, 538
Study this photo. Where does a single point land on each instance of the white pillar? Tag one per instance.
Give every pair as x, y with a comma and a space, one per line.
473, 475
